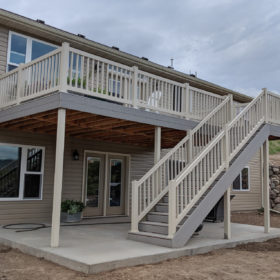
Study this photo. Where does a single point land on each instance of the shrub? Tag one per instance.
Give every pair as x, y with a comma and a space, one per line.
72, 207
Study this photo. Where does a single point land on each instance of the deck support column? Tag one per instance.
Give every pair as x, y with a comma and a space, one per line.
227, 213
157, 144
266, 202
58, 177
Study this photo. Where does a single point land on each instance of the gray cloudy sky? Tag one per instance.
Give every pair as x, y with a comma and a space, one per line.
234, 43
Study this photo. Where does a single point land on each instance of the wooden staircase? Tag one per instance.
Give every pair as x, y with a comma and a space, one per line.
168, 208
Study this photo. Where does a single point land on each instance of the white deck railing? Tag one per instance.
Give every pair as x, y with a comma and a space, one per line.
149, 190
70, 70
189, 186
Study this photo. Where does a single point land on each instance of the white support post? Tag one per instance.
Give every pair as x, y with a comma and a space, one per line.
64, 66
134, 86
157, 144
58, 177
186, 100
266, 203
19, 82
171, 209
227, 208
134, 207
227, 213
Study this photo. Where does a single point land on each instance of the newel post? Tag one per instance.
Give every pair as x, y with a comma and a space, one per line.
134, 86
226, 146
19, 82
231, 108
190, 146
186, 101
64, 65
265, 105
134, 207
172, 209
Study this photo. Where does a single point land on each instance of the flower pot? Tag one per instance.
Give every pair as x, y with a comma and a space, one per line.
71, 218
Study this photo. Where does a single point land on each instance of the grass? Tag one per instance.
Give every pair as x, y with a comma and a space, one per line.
274, 147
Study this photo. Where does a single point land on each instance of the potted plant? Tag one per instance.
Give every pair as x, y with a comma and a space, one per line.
71, 211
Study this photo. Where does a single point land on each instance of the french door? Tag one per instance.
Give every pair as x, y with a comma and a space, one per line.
105, 184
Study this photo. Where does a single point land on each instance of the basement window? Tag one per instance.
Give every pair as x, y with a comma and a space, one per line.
21, 172
22, 49
242, 181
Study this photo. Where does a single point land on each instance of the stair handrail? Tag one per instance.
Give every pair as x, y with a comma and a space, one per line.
189, 186
244, 125
155, 182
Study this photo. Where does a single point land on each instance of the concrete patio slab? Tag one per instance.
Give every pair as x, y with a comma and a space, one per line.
95, 248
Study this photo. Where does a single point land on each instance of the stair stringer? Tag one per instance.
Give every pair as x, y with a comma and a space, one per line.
196, 217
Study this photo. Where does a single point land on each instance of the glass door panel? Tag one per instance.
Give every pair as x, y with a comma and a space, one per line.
115, 182
116, 185
94, 188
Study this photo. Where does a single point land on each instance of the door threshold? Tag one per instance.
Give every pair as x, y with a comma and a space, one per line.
105, 217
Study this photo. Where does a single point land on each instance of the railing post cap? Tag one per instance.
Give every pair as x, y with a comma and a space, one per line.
65, 44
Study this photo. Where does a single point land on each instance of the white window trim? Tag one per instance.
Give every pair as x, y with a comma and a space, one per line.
240, 177
28, 47
23, 171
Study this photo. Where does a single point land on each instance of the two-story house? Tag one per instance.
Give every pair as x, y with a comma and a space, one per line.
134, 140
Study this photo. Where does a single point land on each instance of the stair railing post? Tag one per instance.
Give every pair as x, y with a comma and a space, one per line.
64, 65
190, 147
134, 207
226, 147
265, 105
134, 86
231, 109
19, 82
186, 100
172, 209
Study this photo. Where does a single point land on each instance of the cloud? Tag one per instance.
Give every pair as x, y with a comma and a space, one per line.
233, 43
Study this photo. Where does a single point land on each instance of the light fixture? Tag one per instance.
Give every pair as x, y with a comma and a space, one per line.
75, 155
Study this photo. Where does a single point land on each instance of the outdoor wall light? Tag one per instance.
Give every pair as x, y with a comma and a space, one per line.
75, 155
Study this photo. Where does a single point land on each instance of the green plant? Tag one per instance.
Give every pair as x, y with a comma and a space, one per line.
72, 207
79, 82
274, 147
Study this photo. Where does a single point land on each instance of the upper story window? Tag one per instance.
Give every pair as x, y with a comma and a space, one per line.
23, 49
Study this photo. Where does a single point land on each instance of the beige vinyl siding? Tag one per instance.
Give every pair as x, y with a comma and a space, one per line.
4, 37
250, 200
141, 160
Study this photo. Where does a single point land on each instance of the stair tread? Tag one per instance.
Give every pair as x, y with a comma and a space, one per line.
151, 234
159, 213
163, 204
154, 223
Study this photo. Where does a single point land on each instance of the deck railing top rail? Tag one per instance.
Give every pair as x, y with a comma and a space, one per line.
70, 69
